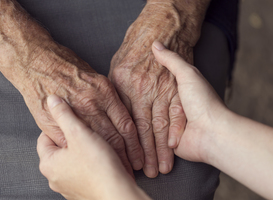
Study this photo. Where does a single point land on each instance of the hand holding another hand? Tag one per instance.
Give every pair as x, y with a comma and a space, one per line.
87, 168
217, 136
148, 90
38, 67
202, 106
93, 98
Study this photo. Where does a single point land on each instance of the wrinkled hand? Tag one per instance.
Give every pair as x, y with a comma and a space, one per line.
149, 90
92, 97
87, 168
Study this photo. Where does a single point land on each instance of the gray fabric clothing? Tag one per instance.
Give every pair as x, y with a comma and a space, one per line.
94, 30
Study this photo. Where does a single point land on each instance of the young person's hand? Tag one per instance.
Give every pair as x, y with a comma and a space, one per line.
87, 168
201, 104
240, 147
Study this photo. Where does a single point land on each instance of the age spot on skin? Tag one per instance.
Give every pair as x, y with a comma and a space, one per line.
3, 37
169, 15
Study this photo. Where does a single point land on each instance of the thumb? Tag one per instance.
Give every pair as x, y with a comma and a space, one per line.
171, 60
65, 117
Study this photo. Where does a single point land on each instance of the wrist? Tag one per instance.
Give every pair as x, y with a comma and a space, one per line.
121, 188
54, 66
22, 39
191, 16
216, 137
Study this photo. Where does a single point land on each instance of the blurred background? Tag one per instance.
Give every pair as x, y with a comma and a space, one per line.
251, 94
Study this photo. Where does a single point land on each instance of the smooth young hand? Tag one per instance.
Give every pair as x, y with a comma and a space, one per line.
202, 106
240, 147
87, 168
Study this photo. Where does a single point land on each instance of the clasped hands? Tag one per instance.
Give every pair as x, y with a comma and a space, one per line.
87, 168
144, 119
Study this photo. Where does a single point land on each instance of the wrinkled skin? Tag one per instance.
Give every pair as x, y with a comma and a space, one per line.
57, 70
38, 67
149, 90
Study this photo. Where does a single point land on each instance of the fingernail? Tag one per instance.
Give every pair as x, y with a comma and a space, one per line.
159, 46
150, 171
172, 142
53, 100
137, 165
164, 167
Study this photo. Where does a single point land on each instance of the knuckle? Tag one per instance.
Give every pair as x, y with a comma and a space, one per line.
86, 103
114, 59
104, 83
159, 124
143, 125
192, 71
175, 128
116, 141
176, 110
56, 135
103, 86
43, 169
52, 186
127, 127
118, 75
141, 82
137, 77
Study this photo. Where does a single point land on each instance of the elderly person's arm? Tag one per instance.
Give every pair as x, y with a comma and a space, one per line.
38, 67
149, 90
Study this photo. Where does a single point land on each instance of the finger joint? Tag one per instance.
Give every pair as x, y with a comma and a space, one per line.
160, 124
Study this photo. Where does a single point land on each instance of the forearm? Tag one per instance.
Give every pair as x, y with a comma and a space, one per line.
129, 191
243, 149
29, 55
176, 24
22, 39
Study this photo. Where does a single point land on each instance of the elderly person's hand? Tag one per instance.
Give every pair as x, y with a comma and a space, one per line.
148, 90
38, 67
87, 167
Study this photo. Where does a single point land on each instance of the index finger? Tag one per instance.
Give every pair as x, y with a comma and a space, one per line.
65, 117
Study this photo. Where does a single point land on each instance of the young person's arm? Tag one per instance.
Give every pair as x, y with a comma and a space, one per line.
238, 146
